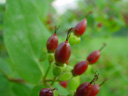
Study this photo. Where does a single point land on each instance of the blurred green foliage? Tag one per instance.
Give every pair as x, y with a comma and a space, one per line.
27, 24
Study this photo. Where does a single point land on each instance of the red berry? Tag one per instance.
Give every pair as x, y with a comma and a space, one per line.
52, 42
46, 92
95, 90
80, 27
93, 57
64, 83
84, 89
100, 24
80, 68
62, 53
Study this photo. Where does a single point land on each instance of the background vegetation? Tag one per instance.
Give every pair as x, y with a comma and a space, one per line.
25, 25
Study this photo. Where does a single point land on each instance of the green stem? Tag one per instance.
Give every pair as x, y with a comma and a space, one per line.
53, 81
49, 67
18, 80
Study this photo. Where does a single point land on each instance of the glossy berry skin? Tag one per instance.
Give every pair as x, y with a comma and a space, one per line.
64, 83
62, 53
46, 92
80, 68
93, 57
52, 43
95, 90
84, 89
80, 28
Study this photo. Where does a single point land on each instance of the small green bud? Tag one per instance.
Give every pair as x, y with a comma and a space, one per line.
50, 57
57, 71
74, 39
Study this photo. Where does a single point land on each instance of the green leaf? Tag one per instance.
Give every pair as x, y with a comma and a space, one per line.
35, 91
13, 89
74, 83
4, 67
66, 76
41, 7
60, 90
24, 37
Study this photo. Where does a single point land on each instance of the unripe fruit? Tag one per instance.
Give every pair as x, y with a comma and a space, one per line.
50, 57
80, 27
63, 51
84, 89
64, 83
94, 56
80, 68
57, 71
46, 92
52, 42
74, 39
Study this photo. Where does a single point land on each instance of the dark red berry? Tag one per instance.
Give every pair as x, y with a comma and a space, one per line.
63, 51
100, 24
84, 89
80, 27
64, 83
46, 92
80, 68
95, 90
94, 56
52, 42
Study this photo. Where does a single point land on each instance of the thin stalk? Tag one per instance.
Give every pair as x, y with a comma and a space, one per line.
53, 81
104, 44
16, 80
49, 67
19, 80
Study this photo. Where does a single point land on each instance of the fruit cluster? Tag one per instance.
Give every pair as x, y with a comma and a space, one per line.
61, 66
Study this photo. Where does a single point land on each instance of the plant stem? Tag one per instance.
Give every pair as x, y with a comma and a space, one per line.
16, 80
53, 81
13, 79
49, 67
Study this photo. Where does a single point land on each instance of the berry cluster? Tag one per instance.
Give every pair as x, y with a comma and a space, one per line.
62, 53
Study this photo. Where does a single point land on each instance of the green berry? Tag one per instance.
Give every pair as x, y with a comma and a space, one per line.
74, 39
50, 57
57, 71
